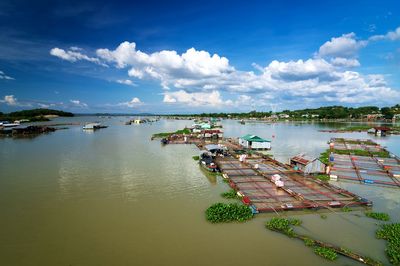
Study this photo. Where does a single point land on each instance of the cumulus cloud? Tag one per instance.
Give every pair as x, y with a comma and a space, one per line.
198, 78
344, 46
4, 76
135, 102
78, 103
10, 100
344, 62
391, 36
166, 65
74, 55
126, 82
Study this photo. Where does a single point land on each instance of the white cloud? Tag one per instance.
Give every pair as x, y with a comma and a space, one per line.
194, 99
135, 73
78, 103
344, 46
166, 65
197, 78
4, 76
10, 100
73, 55
344, 62
126, 82
135, 102
391, 36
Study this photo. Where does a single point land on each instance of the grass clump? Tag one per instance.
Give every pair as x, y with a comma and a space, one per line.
231, 212
322, 177
167, 134
391, 233
378, 216
231, 194
196, 158
346, 209
283, 225
323, 216
326, 253
309, 242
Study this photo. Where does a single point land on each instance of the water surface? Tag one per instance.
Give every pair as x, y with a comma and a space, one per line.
114, 197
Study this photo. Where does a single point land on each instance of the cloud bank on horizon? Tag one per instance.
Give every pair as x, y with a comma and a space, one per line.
195, 77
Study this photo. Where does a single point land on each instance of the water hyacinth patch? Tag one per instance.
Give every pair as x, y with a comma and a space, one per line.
378, 216
326, 253
391, 233
231, 212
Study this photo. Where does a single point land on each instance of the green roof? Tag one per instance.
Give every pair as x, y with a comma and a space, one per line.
254, 138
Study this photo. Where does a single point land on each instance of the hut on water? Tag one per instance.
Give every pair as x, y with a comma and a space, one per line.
307, 165
254, 142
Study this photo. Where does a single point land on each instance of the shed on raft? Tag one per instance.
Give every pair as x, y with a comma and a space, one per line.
254, 142
307, 165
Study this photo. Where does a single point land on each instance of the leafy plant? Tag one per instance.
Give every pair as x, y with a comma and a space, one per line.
378, 216
323, 216
196, 158
222, 213
326, 253
391, 233
231, 194
309, 242
346, 209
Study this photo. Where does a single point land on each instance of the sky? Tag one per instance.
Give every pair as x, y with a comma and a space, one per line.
198, 56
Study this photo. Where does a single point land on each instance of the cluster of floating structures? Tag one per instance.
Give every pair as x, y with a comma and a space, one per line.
267, 185
141, 121
369, 168
93, 126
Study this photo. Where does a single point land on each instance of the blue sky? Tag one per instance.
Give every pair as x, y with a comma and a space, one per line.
198, 56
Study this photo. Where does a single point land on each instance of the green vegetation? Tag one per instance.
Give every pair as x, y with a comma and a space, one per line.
231, 194
167, 134
378, 216
321, 113
383, 154
346, 209
391, 233
323, 216
196, 158
283, 225
231, 212
324, 157
34, 115
351, 141
308, 242
326, 253
322, 177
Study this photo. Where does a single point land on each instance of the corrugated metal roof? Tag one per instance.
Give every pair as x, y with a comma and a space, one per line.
254, 138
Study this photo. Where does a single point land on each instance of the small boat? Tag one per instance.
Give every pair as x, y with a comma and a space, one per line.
93, 126
242, 122
164, 141
207, 162
6, 124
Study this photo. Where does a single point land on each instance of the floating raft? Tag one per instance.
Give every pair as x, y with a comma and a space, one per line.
372, 170
253, 180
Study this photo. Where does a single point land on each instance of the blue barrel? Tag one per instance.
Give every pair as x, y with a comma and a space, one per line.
368, 181
331, 157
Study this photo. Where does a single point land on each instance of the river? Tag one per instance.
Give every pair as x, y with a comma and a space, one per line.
114, 197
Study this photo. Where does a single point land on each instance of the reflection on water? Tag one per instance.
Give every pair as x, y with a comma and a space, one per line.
113, 197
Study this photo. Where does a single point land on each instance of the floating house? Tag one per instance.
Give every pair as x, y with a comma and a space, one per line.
381, 131
254, 142
307, 165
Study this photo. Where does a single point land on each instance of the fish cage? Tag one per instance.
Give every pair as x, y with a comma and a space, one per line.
267, 186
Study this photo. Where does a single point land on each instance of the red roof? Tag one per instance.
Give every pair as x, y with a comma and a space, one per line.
299, 159
382, 128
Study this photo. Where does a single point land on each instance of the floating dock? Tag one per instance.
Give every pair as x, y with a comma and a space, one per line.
370, 169
253, 180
